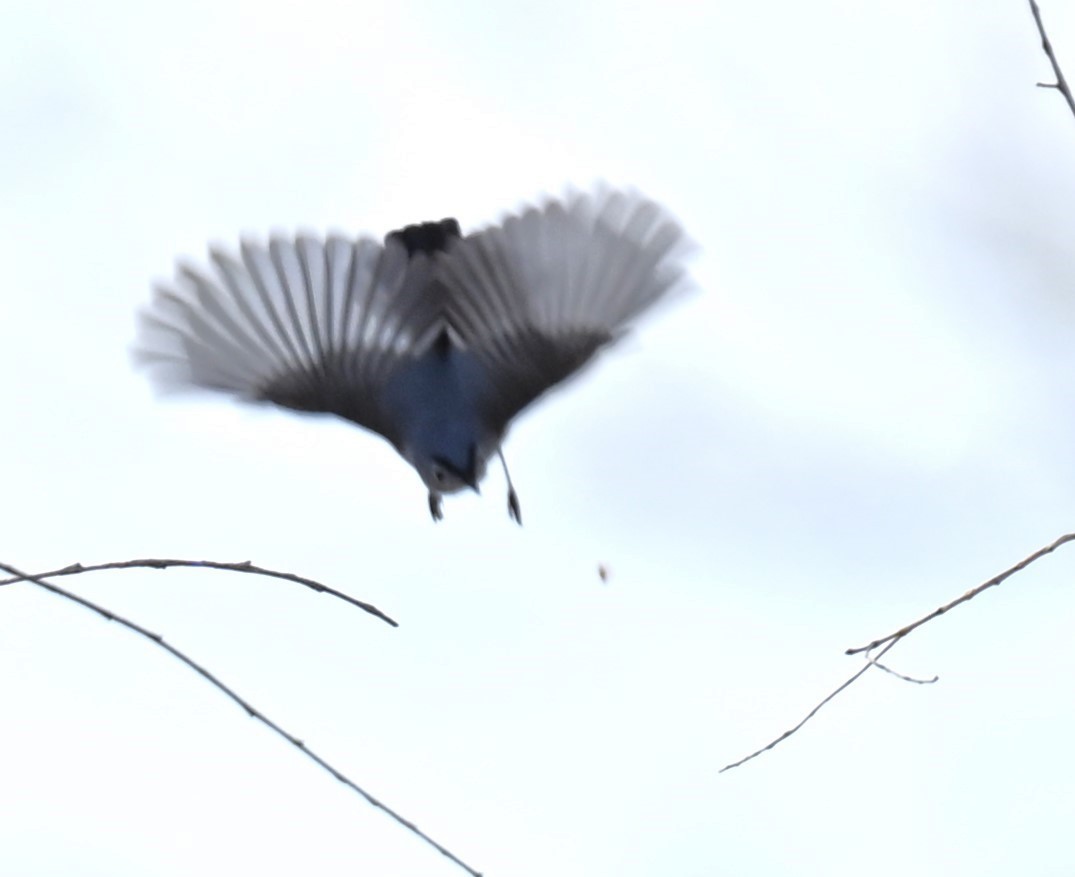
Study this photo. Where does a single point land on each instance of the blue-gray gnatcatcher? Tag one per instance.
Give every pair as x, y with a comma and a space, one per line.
435, 339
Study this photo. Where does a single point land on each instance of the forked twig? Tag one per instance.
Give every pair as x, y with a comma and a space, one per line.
249, 708
1061, 83
242, 566
893, 638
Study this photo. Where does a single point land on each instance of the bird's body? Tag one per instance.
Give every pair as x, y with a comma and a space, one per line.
434, 395
434, 340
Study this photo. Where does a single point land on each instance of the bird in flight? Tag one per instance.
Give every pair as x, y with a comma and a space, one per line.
433, 339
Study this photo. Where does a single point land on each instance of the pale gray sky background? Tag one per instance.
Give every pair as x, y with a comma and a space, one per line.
867, 407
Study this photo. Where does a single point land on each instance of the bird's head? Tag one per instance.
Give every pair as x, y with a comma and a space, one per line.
447, 474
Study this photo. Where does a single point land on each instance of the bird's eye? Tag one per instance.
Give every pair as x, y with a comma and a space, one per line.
438, 475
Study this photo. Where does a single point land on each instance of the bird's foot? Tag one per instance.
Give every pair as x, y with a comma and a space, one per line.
513, 507
435, 506
513, 498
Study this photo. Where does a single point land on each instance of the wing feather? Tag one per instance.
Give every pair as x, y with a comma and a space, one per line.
534, 298
324, 324
311, 324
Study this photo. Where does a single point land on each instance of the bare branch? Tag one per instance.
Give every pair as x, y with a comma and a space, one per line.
910, 679
247, 707
808, 716
242, 566
1061, 83
893, 638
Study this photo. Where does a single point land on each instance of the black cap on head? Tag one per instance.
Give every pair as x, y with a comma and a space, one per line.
426, 237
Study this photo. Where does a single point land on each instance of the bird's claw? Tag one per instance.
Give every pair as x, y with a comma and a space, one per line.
435, 506
513, 507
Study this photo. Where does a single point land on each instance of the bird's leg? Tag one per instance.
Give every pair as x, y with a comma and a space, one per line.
434, 506
513, 498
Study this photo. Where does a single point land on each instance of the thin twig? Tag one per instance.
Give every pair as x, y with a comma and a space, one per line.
970, 595
913, 680
242, 566
807, 718
1061, 83
249, 708
892, 639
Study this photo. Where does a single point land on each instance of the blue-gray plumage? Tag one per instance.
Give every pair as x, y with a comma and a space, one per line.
433, 339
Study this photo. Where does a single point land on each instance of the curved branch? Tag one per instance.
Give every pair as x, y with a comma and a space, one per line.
242, 566
247, 707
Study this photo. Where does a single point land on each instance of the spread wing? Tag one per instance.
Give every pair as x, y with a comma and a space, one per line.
310, 324
534, 298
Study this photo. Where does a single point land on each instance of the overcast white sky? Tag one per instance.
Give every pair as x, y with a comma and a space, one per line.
867, 407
